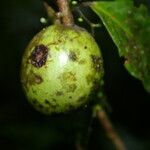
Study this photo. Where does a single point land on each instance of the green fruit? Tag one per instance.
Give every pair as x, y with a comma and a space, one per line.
60, 68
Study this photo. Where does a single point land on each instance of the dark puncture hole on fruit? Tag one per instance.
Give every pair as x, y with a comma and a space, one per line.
72, 56
85, 47
39, 55
47, 102
97, 61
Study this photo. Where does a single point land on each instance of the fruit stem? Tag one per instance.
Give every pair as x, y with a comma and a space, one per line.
66, 14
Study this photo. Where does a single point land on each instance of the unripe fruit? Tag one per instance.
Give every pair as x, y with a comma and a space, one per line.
60, 68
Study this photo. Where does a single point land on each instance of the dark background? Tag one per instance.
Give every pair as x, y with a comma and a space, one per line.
23, 128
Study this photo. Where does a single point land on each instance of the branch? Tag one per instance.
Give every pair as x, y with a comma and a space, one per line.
108, 127
67, 18
52, 15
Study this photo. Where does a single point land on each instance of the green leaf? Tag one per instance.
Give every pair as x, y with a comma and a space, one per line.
129, 28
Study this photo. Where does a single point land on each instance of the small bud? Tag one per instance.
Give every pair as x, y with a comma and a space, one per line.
74, 2
80, 19
43, 20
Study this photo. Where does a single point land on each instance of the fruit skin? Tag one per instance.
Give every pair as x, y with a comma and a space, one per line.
60, 68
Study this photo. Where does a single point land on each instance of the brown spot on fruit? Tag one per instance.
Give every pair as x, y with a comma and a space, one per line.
54, 43
39, 56
82, 61
97, 62
47, 102
68, 76
68, 80
89, 78
51, 105
72, 56
54, 100
59, 93
34, 91
33, 79
38, 79
71, 88
85, 47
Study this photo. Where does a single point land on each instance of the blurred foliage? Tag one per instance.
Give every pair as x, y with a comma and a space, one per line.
130, 29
